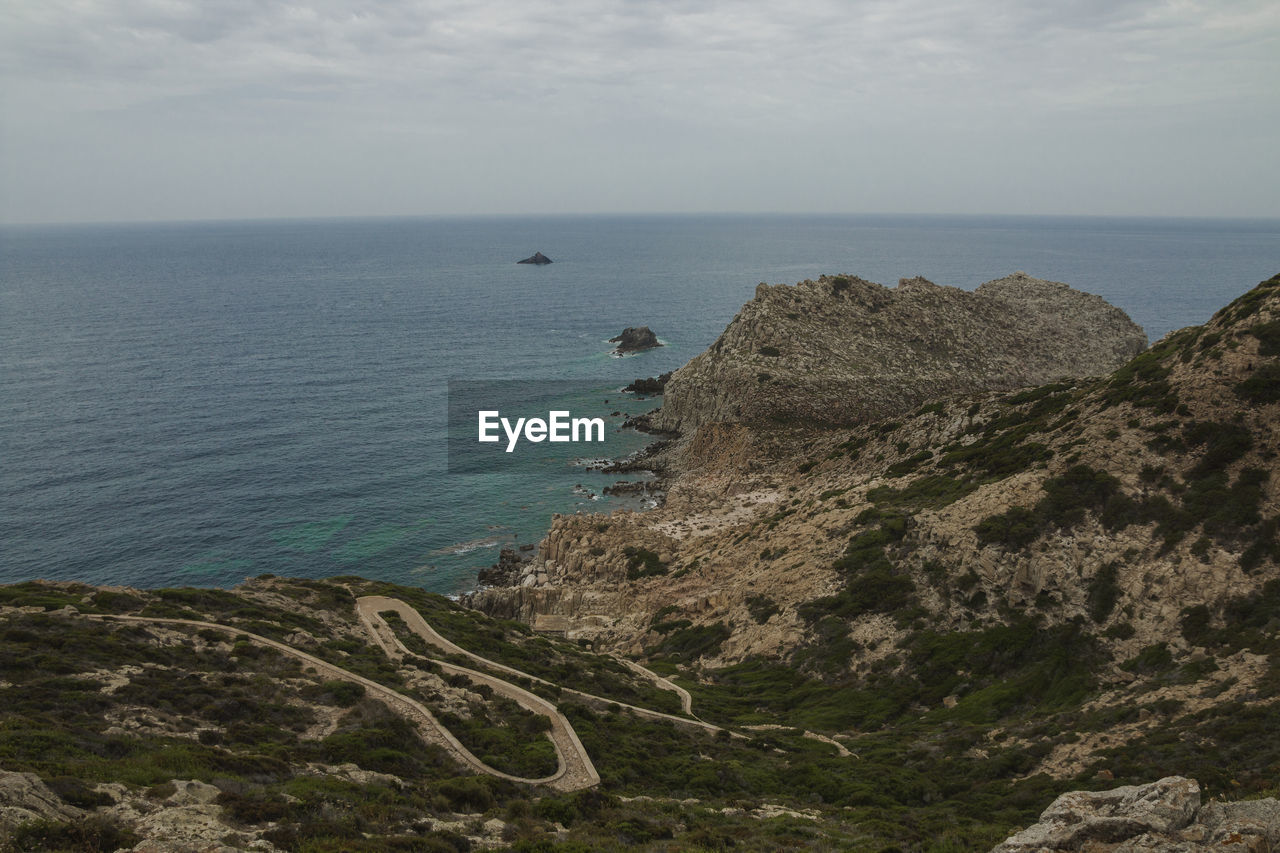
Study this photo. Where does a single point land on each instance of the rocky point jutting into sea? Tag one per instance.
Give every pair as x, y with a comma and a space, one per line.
935, 571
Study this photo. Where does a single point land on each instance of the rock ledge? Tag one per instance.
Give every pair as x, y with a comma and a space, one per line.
1163, 816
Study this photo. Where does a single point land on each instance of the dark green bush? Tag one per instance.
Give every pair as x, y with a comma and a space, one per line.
1268, 335
1263, 386
643, 563
1015, 528
1103, 592
762, 607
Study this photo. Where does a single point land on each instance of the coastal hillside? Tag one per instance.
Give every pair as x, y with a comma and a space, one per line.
1152, 486
1100, 555
924, 632
841, 350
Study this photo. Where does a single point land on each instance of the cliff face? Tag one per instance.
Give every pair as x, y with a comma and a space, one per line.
841, 350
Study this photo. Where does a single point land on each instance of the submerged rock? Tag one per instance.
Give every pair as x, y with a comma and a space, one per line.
536, 258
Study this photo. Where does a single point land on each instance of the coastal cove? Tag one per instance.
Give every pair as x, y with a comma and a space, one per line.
194, 404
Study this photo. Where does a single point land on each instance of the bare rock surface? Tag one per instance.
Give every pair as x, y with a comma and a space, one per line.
634, 339
1163, 816
24, 797
842, 350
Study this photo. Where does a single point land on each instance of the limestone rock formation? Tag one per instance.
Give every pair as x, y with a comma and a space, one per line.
537, 258
1161, 816
841, 350
24, 797
634, 339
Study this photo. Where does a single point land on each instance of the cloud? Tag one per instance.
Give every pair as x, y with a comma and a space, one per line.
678, 79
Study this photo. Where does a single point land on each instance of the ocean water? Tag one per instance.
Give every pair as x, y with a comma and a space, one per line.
199, 403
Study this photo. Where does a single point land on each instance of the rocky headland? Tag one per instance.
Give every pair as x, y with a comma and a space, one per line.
843, 351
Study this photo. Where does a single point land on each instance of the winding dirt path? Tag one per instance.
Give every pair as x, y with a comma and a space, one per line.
686, 700
369, 606
574, 769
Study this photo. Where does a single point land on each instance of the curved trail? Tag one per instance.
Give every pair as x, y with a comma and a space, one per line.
574, 769
570, 775
686, 699
370, 606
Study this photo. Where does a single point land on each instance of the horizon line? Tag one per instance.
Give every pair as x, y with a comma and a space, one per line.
71, 223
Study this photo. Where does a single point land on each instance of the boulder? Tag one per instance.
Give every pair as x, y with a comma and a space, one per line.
24, 797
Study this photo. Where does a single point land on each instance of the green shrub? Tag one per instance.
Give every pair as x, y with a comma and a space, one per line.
933, 491
1263, 386
906, 466
692, 642
91, 834
762, 607
1103, 592
1223, 444
643, 563
1152, 660
1268, 335
1015, 528
1195, 625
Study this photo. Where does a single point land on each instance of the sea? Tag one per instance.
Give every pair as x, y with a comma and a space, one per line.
193, 404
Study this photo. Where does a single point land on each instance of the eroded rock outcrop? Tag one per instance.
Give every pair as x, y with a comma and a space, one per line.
634, 339
25, 797
651, 385
841, 350
1162, 816
537, 259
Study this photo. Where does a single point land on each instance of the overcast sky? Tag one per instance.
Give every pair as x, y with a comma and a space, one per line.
198, 109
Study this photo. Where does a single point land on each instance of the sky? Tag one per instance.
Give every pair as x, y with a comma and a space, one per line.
129, 110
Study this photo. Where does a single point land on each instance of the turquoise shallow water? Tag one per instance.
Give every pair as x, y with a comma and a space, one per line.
197, 403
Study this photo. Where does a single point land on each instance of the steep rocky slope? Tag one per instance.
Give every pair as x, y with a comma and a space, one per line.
1156, 479
841, 350
1129, 521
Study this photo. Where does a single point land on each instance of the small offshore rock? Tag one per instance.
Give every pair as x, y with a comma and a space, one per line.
634, 339
537, 258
